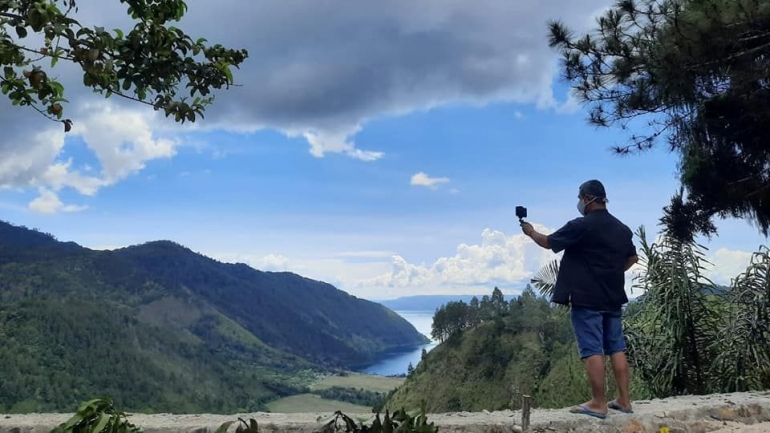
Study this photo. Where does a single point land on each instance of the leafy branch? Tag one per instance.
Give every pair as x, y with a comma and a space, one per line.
149, 64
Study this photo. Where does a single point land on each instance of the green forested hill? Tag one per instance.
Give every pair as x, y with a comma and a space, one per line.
305, 317
161, 328
492, 353
57, 353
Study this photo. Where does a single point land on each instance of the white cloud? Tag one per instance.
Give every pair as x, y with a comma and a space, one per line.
49, 203
727, 264
121, 139
59, 175
570, 105
24, 159
518, 115
322, 143
422, 179
505, 261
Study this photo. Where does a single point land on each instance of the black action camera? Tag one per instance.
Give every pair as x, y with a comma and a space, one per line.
521, 212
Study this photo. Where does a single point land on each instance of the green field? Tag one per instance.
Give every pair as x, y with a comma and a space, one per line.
365, 381
313, 403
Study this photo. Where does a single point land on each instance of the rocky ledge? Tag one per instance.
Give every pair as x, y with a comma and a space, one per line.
687, 414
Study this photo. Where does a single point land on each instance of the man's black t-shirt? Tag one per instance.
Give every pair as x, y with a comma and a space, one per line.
596, 248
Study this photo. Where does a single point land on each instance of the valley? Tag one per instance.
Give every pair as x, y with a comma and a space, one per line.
160, 328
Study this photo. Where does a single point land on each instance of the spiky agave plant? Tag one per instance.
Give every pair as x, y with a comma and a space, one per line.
743, 362
670, 337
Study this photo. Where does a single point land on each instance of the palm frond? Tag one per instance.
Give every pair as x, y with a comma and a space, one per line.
545, 279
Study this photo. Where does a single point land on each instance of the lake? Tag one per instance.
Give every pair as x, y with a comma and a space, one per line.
398, 362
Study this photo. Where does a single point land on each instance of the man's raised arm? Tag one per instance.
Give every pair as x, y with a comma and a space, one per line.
539, 238
566, 236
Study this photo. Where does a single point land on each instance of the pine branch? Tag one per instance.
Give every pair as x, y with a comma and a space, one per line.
10, 15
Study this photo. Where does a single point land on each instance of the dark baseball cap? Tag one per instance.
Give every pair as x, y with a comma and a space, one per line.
592, 188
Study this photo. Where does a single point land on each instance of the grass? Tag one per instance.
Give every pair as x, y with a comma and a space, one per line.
313, 403
357, 381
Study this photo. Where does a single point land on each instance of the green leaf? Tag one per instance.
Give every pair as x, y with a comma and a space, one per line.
102, 421
223, 428
72, 421
21, 32
57, 87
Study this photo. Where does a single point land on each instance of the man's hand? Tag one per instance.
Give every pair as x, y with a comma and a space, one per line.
527, 228
530, 231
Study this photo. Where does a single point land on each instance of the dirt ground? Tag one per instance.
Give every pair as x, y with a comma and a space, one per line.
743, 428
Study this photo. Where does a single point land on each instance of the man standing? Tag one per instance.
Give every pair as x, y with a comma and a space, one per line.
598, 250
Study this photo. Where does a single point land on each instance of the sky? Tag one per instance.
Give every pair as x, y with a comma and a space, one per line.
380, 147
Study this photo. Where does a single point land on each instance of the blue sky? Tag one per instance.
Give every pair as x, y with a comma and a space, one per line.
254, 191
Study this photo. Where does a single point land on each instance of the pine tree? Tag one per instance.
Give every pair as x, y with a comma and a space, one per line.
696, 73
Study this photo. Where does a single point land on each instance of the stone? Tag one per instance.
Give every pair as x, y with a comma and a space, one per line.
633, 426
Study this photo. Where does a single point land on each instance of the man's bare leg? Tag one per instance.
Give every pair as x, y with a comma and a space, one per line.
595, 369
622, 378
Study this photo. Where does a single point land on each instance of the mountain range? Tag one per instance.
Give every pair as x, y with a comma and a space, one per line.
159, 327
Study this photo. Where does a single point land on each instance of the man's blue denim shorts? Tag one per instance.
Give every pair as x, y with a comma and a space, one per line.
598, 332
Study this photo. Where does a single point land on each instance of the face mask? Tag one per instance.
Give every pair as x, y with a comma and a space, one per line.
581, 206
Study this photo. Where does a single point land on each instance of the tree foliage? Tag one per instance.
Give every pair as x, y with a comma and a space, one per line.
696, 71
491, 361
454, 317
153, 63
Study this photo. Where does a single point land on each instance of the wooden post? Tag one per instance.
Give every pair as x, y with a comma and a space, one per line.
525, 406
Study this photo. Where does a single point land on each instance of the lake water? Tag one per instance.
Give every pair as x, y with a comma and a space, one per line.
398, 362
